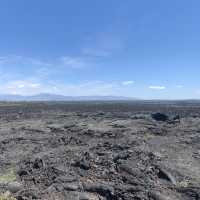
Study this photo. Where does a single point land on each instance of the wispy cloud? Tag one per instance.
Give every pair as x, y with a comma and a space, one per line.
29, 87
88, 88
157, 87
103, 45
63, 61
20, 87
179, 86
27, 76
3, 60
89, 51
128, 82
73, 62
16, 59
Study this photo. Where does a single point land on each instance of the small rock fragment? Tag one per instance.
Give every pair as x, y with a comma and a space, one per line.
104, 190
71, 186
82, 164
164, 174
158, 196
14, 187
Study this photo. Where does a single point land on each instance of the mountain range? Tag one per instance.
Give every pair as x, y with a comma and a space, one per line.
56, 97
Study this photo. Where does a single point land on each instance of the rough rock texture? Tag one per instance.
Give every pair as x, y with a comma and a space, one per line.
101, 151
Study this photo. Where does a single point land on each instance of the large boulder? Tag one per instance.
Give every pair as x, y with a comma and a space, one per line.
159, 116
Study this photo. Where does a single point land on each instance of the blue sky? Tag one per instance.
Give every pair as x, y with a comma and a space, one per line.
146, 49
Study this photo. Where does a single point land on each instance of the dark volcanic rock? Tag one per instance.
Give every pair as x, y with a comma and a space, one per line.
102, 189
164, 174
82, 164
155, 195
72, 151
159, 117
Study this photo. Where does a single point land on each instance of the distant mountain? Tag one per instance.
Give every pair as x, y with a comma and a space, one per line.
55, 97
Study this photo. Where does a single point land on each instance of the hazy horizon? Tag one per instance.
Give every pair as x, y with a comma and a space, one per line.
60, 97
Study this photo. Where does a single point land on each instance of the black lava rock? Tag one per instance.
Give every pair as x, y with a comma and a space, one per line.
159, 117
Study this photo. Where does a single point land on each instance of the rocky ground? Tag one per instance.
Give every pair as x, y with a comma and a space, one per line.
100, 151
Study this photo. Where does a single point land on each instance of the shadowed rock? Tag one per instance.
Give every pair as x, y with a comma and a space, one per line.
159, 117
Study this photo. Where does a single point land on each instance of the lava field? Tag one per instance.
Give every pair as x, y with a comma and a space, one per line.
100, 150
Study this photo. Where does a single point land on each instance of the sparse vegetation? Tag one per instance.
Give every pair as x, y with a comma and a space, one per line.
8, 176
184, 183
6, 196
148, 136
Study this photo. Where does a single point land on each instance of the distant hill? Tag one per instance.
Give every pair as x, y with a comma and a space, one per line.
55, 97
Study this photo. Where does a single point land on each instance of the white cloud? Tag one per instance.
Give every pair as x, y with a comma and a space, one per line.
157, 87
35, 85
179, 86
41, 68
87, 88
16, 59
3, 60
28, 87
96, 52
73, 62
22, 87
127, 82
